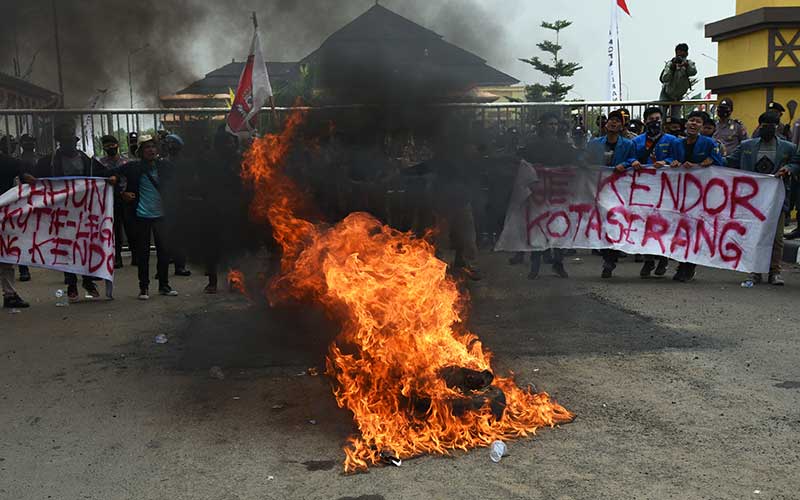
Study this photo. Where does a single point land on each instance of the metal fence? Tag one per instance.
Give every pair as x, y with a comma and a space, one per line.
197, 125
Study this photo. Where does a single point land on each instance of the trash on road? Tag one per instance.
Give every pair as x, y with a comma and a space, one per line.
161, 339
497, 450
390, 458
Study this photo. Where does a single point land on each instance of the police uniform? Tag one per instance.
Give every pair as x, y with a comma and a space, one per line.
730, 134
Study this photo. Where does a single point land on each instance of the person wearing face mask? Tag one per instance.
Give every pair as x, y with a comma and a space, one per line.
123, 226
730, 131
612, 150
674, 126
657, 149
771, 155
68, 161
783, 131
693, 151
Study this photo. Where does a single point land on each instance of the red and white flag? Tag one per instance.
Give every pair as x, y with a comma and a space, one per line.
614, 72
253, 92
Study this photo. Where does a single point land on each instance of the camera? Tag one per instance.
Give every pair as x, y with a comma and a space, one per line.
677, 60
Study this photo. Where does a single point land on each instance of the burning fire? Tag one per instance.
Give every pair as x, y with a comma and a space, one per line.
236, 282
415, 380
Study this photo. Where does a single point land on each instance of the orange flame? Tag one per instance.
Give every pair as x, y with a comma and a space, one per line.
402, 322
236, 282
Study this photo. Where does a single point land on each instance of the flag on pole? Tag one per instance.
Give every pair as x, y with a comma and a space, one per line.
614, 72
253, 92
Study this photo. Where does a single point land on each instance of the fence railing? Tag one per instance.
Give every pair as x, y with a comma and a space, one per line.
198, 124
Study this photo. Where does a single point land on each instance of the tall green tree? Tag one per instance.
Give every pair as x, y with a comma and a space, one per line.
557, 69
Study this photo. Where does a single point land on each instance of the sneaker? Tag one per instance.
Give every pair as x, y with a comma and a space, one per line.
793, 235
72, 293
661, 269
647, 269
167, 291
24, 275
182, 271
558, 268
776, 279
607, 273
91, 290
679, 276
210, 289
14, 302
144, 294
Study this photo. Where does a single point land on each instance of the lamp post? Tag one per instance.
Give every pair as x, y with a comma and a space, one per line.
132, 53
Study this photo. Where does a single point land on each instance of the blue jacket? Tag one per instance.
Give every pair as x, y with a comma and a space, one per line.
624, 153
705, 147
665, 149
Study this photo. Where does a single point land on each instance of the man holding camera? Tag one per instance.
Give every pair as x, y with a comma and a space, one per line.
676, 78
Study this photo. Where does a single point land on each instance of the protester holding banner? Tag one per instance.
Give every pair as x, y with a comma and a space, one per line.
122, 225
148, 179
10, 168
68, 161
615, 151
658, 149
769, 154
550, 149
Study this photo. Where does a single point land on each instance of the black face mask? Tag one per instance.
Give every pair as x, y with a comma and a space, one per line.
767, 132
654, 128
111, 151
724, 113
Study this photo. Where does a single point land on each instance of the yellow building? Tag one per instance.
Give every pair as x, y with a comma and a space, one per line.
759, 58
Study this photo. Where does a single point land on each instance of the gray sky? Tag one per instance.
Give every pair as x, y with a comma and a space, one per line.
196, 36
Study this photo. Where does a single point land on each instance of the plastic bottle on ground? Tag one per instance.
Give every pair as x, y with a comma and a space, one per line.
61, 300
497, 450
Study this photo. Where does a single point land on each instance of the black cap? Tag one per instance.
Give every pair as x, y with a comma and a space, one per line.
770, 117
109, 139
726, 103
776, 106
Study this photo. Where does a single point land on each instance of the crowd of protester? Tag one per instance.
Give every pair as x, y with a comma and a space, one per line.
197, 207
151, 204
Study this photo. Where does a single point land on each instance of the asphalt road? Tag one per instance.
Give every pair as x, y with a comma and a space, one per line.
681, 391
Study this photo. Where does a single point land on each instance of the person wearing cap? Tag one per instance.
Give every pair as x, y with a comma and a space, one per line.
770, 155
783, 131
133, 143
10, 169
676, 78
708, 130
693, 151
657, 149
68, 161
730, 131
626, 121
123, 222
616, 152
149, 180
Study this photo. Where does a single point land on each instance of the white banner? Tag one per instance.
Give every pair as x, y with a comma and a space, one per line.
66, 224
716, 216
614, 90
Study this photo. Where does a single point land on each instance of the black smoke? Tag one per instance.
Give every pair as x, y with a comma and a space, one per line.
188, 38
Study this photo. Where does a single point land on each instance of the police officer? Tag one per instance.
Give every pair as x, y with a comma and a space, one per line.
730, 131
783, 129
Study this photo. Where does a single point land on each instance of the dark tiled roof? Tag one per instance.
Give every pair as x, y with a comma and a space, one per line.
377, 48
25, 87
227, 77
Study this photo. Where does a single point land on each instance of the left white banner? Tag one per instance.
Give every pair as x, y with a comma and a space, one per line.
66, 224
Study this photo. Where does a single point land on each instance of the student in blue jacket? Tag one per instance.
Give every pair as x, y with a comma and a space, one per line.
611, 150
658, 149
695, 150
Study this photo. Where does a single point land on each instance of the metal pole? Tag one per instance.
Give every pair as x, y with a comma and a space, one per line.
130, 77
58, 53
